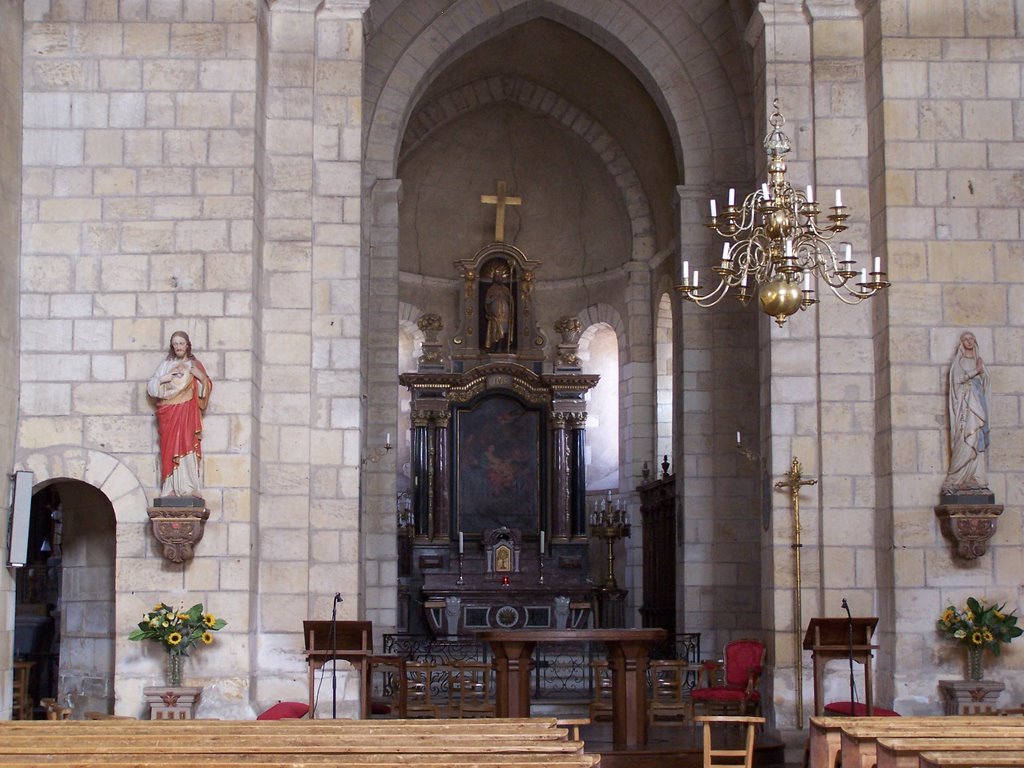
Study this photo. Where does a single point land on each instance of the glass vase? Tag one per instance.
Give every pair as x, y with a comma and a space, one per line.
975, 670
173, 670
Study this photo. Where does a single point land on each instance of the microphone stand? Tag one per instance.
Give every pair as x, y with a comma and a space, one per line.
334, 657
849, 634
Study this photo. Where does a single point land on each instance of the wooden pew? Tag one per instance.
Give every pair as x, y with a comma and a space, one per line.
826, 732
859, 743
482, 743
966, 760
906, 752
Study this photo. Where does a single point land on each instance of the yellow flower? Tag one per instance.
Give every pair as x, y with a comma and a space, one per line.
174, 638
207, 638
968, 616
182, 617
988, 635
976, 638
947, 617
997, 614
209, 619
154, 622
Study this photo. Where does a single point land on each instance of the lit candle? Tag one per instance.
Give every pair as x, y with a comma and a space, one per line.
732, 196
460, 542
714, 208
810, 194
542, 542
839, 198
878, 264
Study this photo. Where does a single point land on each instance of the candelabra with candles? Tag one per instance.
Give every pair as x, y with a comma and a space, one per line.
380, 452
775, 241
609, 521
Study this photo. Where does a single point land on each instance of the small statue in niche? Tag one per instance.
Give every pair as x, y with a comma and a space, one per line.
969, 394
498, 307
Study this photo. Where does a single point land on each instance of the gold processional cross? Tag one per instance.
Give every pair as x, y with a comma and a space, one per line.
500, 200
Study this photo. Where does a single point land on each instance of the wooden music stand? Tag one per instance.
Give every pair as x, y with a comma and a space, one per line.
828, 639
353, 642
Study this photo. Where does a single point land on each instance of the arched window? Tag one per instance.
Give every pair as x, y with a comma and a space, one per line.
599, 351
663, 377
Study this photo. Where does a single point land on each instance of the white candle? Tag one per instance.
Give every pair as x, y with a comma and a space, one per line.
725, 255
387, 439
810, 194
542, 542
789, 248
696, 280
732, 196
737, 437
864, 275
878, 264
764, 192
849, 249
839, 198
686, 272
807, 281
460, 542
714, 208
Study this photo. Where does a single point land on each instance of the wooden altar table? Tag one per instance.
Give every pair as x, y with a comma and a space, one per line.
628, 651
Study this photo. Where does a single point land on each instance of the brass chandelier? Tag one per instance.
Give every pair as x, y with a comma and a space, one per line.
776, 246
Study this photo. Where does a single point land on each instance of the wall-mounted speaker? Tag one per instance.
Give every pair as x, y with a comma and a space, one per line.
21, 515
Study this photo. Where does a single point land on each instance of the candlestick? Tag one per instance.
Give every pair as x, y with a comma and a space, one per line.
460, 542
542, 542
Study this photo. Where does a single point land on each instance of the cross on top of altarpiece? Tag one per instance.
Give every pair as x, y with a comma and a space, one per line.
500, 200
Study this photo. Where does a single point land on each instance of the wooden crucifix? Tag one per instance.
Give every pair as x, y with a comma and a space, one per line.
500, 200
793, 482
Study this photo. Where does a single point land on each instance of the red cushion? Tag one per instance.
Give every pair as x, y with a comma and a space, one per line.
284, 710
724, 694
856, 709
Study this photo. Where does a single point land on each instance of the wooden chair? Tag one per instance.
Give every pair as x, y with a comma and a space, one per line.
469, 690
712, 753
419, 676
22, 702
744, 662
601, 704
668, 686
55, 711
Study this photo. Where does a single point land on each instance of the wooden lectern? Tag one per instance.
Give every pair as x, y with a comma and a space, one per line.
352, 642
829, 639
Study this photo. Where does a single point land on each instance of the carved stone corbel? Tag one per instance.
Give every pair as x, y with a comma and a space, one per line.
178, 529
970, 526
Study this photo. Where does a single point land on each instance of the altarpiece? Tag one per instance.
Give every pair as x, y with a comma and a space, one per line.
497, 538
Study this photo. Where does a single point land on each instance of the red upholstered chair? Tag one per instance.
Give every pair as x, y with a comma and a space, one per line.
737, 692
856, 709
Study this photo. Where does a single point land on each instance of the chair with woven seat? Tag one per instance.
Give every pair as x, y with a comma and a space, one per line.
601, 704
737, 692
419, 680
668, 686
469, 690
712, 754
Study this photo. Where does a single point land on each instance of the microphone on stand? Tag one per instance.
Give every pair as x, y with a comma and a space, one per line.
849, 635
334, 656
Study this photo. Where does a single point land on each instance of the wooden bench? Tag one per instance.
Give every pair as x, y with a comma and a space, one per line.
905, 752
483, 743
826, 737
967, 760
859, 744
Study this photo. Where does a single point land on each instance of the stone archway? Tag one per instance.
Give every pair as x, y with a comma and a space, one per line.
103, 510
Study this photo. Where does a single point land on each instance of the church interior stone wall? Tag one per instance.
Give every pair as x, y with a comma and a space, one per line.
291, 182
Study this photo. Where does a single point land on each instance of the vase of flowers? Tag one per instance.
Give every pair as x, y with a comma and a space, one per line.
978, 627
177, 631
